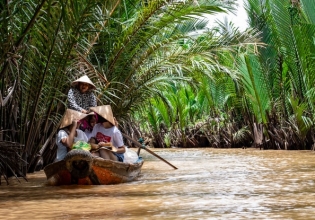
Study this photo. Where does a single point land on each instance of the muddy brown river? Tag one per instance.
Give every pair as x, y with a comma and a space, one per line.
209, 184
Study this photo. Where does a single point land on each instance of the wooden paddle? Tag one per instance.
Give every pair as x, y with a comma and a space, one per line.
151, 152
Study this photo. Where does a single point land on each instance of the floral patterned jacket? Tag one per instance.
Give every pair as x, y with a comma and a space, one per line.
78, 101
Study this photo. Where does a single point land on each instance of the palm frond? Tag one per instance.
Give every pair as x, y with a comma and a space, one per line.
255, 86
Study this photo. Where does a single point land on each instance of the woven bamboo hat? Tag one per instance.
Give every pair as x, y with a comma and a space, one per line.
69, 116
104, 111
84, 79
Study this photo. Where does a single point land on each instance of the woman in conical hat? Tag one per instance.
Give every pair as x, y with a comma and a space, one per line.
107, 134
69, 132
81, 96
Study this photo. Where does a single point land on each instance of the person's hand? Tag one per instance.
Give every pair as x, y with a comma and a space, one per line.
116, 122
84, 111
75, 123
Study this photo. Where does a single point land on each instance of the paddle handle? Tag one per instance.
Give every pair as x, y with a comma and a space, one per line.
151, 152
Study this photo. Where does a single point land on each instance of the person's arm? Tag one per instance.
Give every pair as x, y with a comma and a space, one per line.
121, 150
93, 101
94, 146
68, 142
71, 101
93, 143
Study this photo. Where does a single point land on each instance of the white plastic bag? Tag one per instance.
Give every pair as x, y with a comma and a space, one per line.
130, 156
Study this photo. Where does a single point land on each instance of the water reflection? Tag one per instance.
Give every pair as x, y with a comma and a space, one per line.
209, 184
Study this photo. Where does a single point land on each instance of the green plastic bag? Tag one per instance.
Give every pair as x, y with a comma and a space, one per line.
81, 145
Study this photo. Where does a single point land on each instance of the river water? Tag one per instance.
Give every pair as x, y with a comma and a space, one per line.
208, 184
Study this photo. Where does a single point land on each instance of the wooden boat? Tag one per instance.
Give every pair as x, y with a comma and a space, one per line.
80, 167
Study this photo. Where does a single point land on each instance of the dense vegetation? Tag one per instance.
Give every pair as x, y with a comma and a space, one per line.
167, 75
264, 95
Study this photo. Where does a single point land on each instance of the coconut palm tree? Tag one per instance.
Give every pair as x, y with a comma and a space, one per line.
128, 48
38, 49
287, 63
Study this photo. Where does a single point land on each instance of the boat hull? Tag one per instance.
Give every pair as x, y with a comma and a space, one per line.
80, 167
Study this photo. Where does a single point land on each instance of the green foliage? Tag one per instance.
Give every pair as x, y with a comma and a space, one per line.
299, 122
40, 56
287, 28
155, 60
239, 76
255, 86
167, 140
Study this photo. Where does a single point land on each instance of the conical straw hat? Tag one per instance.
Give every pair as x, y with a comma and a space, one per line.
104, 111
69, 116
84, 79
